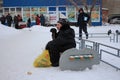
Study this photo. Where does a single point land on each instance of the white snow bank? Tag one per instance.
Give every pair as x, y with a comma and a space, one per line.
20, 48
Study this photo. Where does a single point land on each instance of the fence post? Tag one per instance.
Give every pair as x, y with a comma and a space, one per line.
117, 37
118, 52
96, 46
82, 43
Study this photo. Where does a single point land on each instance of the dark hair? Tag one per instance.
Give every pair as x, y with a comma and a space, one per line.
81, 9
63, 21
65, 24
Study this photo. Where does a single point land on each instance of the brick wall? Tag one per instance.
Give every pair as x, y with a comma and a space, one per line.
112, 5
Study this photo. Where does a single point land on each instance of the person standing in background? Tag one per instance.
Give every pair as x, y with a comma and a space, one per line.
16, 22
9, 19
42, 20
19, 18
83, 19
29, 22
3, 19
37, 20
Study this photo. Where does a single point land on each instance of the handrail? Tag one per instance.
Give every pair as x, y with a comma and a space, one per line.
111, 37
117, 68
96, 46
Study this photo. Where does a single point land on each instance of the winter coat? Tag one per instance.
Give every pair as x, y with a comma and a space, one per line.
15, 20
64, 40
9, 18
2, 19
83, 19
42, 20
29, 22
37, 20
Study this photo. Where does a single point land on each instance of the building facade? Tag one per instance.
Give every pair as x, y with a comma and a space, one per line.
53, 10
1, 5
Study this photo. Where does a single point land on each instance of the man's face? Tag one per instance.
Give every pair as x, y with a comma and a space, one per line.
58, 26
81, 11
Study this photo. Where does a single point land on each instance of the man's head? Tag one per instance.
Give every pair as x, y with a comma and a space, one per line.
81, 10
62, 25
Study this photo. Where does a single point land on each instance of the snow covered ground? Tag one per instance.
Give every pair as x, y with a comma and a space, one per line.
19, 48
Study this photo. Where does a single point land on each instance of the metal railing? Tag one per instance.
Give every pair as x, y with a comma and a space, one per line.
117, 36
97, 47
111, 37
101, 52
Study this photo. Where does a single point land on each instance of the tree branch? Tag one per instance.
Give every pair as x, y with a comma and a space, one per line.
93, 4
85, 4
75, 4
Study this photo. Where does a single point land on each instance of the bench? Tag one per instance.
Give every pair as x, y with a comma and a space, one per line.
74, 59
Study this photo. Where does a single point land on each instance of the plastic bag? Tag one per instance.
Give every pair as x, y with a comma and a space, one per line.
43, 60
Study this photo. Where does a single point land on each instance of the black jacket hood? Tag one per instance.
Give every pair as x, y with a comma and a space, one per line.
65, 25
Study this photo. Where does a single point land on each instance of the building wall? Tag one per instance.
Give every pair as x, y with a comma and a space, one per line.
13, 3
105, 15
24, 8
1, 3
112, 5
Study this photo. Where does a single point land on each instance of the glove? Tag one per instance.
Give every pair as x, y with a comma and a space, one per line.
54, 33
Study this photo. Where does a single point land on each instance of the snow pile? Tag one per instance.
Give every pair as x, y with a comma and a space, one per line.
19, 48
5, 30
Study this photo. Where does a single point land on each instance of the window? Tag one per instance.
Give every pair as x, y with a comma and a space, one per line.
52, 8
62, 8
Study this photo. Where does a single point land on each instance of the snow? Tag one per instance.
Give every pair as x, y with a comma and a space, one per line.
19, 48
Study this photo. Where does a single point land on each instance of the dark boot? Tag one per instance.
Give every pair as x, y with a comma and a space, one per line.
54, 58
80, 36
55, 64
86, 35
